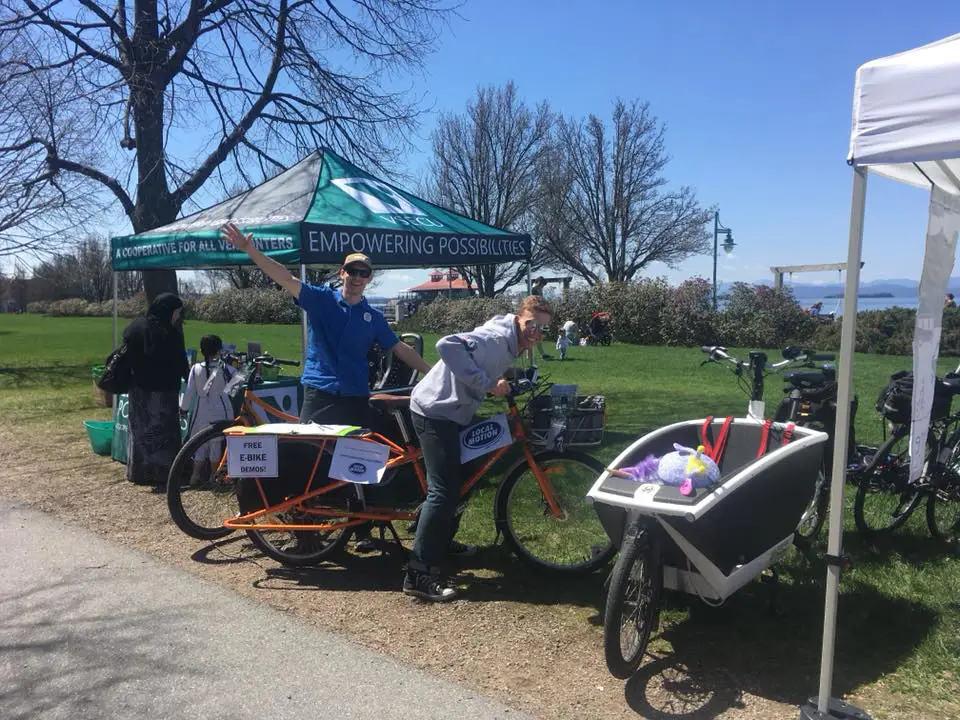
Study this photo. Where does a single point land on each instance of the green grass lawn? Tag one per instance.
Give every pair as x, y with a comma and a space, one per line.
900, 608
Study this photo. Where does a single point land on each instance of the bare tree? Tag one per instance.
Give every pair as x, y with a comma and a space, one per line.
186, 85
36, 218
129, 283
96, 275
606, 212
485, 166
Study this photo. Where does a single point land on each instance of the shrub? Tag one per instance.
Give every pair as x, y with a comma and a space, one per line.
443, 316
759, 316
635, 309
71, 307
264, 305
688, 317
39, 307
132, 307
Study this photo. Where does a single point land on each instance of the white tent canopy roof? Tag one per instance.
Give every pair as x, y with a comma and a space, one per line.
906, 115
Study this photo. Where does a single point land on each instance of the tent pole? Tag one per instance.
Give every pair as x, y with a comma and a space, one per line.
113, 396
844, 396
529, 293
303, 319
115, 338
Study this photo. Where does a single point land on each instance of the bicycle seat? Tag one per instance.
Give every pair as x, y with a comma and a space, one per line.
952, 382
384, 401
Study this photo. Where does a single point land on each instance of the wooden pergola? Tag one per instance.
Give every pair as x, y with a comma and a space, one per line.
780, 271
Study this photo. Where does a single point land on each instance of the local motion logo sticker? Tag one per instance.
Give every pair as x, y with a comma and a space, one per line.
482, 435
357, 468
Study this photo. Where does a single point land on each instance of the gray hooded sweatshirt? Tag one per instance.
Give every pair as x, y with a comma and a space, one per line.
470, 363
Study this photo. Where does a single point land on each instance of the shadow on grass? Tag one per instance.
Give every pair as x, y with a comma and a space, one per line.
717, 654
232, 549
914, 548
43, 376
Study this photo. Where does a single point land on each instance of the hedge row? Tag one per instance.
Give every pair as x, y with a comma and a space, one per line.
648, 312
243, 306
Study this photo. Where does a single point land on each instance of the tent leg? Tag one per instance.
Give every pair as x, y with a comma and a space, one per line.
529, 293
303, 320
115, 338
113, 401
823, 706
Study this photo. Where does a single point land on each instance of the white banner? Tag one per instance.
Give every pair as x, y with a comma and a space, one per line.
943, 224
252, 456
484, 437
359, 461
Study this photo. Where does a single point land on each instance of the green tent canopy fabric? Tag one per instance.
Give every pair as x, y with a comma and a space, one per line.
316, 212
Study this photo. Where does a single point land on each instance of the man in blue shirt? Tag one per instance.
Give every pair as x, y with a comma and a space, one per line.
342, 329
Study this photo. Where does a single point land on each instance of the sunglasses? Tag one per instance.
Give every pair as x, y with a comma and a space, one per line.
358, 272
539, 328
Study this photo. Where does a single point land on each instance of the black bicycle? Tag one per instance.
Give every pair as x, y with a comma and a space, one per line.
810, 402
886, 496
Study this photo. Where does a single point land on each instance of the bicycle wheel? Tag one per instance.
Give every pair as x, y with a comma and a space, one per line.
815, 515
633, 604
200, 496
575, 541
296, 548
885, 498
943, 502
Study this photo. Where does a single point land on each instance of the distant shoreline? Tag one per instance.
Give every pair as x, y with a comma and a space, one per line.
864, 295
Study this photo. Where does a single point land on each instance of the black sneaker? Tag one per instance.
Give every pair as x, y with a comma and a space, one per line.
459, 549
427, 587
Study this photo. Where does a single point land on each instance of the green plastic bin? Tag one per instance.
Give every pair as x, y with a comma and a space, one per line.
100, 433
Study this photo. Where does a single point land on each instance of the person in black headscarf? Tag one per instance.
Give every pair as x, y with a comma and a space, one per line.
159, 362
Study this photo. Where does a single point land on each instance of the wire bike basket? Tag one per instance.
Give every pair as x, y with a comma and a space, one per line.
561, 418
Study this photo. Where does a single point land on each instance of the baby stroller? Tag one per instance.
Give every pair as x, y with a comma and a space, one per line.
599, 329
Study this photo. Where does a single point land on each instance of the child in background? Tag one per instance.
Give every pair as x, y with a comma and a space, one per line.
562, 344
204, 396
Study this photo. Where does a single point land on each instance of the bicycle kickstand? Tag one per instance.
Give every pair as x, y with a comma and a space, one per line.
396, 545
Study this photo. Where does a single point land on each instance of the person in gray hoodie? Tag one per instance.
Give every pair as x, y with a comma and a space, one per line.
443, 402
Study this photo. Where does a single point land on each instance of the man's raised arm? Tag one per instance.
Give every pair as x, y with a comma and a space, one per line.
274, 270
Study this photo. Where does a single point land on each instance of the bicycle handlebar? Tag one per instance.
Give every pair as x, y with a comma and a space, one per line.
267, 359
792, 355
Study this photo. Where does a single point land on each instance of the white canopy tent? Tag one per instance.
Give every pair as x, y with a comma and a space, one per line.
906, 126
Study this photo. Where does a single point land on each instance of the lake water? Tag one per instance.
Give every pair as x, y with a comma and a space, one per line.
835, 305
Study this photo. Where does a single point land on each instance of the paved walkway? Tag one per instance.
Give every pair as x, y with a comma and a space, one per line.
89, 629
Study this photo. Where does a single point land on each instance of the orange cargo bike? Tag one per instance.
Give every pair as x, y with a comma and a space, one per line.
300, 515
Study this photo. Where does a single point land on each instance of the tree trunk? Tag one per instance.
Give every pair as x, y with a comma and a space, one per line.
154, 205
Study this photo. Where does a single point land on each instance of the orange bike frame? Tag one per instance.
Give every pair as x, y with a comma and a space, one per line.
398, 456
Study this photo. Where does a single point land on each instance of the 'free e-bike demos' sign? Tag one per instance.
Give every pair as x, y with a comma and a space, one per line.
484, 437
252, 456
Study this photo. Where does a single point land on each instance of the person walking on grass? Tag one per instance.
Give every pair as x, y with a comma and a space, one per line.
471, 365
537, 290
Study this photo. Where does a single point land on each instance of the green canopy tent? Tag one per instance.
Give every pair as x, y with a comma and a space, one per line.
315, 213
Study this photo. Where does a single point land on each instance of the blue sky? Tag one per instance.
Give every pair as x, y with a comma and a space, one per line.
756, 97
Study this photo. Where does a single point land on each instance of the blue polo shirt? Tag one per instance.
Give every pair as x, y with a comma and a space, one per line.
339, 337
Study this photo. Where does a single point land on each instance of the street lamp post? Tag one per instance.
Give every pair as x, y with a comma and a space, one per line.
728, 245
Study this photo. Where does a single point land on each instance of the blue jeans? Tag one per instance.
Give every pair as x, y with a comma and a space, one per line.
440, 443
323, 407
